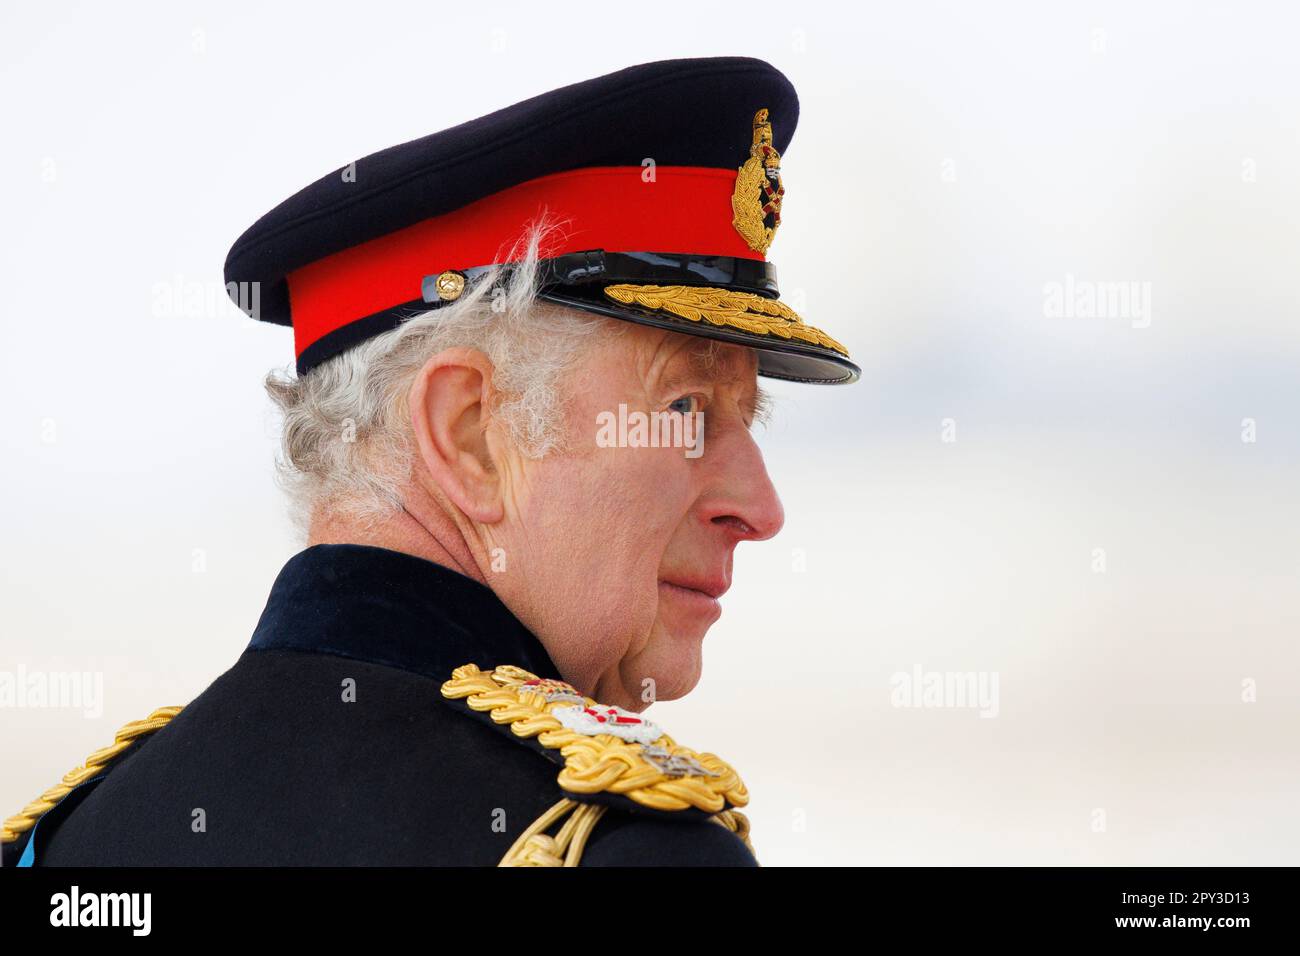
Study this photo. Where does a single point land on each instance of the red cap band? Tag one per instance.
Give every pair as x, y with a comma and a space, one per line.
686, 209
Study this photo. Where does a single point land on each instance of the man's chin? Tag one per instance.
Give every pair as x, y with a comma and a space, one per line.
683, 672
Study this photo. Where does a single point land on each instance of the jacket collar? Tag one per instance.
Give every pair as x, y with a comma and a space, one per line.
392, 608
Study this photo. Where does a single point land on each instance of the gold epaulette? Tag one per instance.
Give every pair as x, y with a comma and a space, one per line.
26, 818
605, 750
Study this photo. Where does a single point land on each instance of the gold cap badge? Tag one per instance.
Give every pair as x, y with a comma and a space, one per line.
756, 200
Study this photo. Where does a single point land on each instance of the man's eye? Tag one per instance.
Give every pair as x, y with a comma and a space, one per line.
685, 405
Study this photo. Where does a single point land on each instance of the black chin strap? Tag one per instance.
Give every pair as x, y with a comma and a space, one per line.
608, 268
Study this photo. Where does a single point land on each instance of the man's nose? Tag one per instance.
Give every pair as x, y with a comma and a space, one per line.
741, 496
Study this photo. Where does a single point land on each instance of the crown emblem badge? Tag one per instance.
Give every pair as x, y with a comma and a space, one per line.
756, 200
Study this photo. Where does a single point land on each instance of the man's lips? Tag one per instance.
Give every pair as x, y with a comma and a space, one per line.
696, 597
709, 587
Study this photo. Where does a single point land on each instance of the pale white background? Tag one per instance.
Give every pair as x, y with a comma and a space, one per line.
951, 160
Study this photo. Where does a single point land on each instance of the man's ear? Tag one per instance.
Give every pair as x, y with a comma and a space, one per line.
449, 401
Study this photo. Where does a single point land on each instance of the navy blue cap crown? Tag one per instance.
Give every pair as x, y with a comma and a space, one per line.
355, 253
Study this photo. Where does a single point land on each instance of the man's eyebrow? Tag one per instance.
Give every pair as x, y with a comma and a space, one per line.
705, 368
760, 405
692, 376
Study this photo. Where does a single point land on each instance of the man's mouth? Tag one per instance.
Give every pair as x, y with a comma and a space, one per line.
709, 587
692, 600
695, 594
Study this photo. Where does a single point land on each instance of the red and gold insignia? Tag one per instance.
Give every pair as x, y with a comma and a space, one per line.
609, 753
602, 719
756, 200
605, 749
553, 690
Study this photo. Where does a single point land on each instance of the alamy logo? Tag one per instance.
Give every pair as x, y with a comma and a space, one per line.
951, 689
1081, 299
651, 430
183, 298
102, 909
53, 689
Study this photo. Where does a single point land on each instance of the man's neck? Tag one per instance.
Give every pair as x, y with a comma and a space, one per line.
420, 527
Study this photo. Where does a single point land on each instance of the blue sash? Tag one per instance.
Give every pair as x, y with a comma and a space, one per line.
29, 852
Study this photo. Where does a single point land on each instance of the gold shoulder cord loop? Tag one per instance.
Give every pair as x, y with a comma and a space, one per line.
23, 821
535, 848
737, 823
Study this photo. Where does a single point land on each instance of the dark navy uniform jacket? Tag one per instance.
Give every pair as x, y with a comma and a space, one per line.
285, 772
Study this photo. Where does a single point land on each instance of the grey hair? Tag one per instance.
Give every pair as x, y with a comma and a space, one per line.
347, 443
